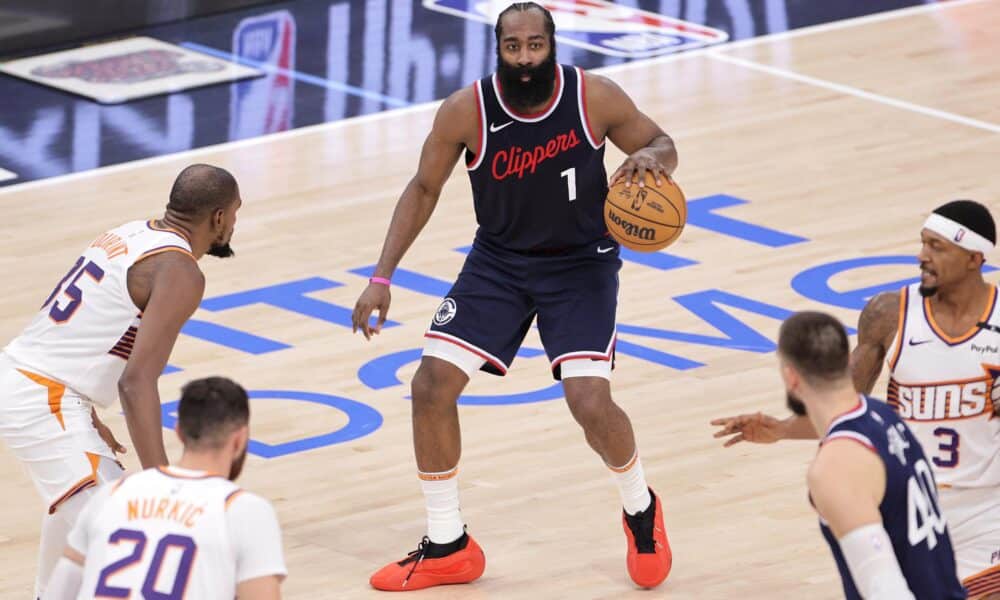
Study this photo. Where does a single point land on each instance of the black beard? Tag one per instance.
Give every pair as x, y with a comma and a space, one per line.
526, 95
237, 467
927, 291
221, 250
794, 404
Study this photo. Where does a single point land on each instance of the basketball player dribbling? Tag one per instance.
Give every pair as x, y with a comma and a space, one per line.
941, 341
533, 135
106, 331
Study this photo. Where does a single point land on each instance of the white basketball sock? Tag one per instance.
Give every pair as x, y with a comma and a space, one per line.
444, 520
632, 485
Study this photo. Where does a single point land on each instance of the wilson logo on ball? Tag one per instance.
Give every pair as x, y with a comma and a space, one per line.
631, 229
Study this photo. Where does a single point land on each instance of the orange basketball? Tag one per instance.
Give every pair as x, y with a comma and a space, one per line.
646, 218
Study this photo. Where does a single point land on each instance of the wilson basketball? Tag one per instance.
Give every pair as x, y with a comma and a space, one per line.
646, 218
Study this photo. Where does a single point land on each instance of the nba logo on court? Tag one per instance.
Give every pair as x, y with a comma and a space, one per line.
601, 26
268, 39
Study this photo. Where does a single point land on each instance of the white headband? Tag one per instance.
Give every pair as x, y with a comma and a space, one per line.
958, 234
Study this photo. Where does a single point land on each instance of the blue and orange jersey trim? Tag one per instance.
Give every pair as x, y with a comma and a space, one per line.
233, 495
904, 303
968, 335
161, 249
151, 223
166, 471
87, 482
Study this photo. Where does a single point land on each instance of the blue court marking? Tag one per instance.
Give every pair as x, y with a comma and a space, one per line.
297, 75
231, 338
361, 421
411, 280
814, 282
701, 214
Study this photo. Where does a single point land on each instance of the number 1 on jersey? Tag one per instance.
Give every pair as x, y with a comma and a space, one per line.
570, 175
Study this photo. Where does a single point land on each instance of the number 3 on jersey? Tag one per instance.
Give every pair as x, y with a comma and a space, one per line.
61, 314
923, 516
948, 446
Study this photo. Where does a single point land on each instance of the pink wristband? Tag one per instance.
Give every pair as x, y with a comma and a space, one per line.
379, 280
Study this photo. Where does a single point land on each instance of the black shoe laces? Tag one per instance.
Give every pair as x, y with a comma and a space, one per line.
415, 557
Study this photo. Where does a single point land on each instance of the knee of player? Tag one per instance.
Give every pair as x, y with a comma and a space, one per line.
589, 406
432, 384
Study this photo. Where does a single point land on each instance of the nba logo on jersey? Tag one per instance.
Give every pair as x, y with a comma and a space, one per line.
267, 39
600, 26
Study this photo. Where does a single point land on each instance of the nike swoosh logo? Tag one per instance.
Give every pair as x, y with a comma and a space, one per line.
605, 250
494, 128
915, 343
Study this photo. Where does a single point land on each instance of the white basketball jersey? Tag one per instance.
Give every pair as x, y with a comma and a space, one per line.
945, 388
175, 533
85, 330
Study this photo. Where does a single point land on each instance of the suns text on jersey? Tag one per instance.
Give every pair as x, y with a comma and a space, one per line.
942, 401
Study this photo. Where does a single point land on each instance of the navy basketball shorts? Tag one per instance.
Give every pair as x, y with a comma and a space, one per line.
499, 293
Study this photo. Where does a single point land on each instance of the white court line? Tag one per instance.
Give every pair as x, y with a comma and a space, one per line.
858, 93
5, 175
333, 125
783, 35
845, 23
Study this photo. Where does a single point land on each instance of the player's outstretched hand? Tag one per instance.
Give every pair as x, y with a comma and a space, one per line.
634, 169
105, 432
375, 296
758, 428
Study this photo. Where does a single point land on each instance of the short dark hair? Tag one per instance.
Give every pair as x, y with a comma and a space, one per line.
550, 25
972, 215
209, 409
200, 190
815, 343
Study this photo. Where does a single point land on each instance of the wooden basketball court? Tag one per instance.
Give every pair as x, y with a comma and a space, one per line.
845, 134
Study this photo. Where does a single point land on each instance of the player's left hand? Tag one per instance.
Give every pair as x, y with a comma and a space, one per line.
634, 169
105, 432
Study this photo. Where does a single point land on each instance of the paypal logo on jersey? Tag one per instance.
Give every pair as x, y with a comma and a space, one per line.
600, 26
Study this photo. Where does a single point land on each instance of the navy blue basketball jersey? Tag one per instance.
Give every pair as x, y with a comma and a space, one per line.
910, 511
538, 180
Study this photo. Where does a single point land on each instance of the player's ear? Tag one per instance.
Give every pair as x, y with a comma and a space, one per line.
789, 376
977, 260
240, 439
180, 436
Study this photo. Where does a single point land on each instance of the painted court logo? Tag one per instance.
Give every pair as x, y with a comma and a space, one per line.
600, 26
130, 67
445, 312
